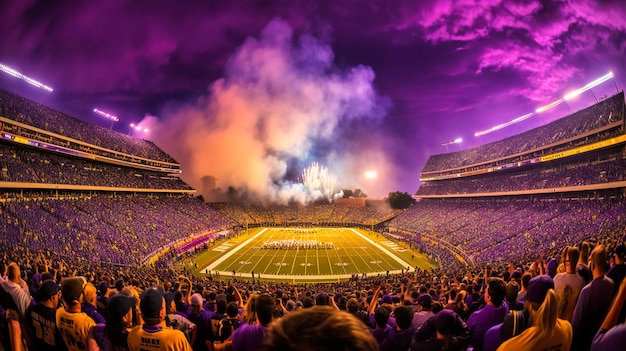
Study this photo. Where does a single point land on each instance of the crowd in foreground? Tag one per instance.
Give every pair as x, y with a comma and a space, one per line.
575, 301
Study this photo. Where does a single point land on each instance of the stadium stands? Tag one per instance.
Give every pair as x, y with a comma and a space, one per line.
110, 232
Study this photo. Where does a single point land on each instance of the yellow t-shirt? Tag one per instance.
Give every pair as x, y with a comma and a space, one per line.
561, 339
74, 328
157, 338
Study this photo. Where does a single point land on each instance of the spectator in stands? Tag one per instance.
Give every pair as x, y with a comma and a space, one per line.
381, 328
354, 308
424, 312
491, 314
593, 303
40, 320
178, 320
17, 291
319, 328
618, 271
89, 304
250, 336
611, 335
154, 331
399, 338
568, 285
512, 289
521, 296
516, 322
442, 331
73, 324
113, 335
581, 267
547, 331
202, 319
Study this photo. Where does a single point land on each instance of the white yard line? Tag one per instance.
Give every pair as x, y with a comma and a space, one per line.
304, 277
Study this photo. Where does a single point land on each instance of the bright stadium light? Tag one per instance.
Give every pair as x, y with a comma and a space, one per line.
549, 106
106, 115
29, 80
455, 141
371, 175
504, 125
593, 84
138, 128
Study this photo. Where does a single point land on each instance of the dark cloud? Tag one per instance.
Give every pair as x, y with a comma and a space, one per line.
385, 82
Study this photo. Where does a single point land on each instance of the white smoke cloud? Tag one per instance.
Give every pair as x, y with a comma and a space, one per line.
280, 98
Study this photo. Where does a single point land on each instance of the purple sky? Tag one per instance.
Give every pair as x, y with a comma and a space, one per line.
253, 92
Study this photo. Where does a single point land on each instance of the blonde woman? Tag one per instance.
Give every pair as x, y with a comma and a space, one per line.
547, 331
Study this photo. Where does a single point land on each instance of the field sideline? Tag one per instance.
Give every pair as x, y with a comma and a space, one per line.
342, 253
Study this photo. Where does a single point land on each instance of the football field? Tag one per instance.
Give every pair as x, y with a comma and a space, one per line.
308, 254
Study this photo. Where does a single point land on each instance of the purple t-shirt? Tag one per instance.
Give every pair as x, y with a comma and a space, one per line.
248, 337
614, 339
480, 321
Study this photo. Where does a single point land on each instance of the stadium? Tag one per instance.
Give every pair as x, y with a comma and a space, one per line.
113, 208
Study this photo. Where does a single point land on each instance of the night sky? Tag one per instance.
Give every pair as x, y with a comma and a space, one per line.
253, 92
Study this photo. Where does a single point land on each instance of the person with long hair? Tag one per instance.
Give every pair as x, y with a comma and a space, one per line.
113, 336
548, 332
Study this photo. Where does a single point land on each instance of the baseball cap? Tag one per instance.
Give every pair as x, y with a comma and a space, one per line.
151, 302
387, 299
538, 287
72, 288
119, 305
425, 300
103, 287
48, 289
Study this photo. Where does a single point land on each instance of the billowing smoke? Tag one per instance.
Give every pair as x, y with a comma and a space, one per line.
282, 104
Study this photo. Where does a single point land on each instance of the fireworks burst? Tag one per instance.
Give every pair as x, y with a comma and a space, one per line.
317, 179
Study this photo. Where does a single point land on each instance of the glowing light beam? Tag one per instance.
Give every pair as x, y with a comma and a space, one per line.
591, 85
106, 115
503, 125
549, 106
27, 79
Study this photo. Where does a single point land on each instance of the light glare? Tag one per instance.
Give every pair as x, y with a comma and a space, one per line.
106, 115
371, 175
25, 78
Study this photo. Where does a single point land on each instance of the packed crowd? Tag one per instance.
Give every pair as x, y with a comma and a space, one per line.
595, 117
570, 300
501, 229
22, 110
305, 215
18, 164
586, 171
121, 229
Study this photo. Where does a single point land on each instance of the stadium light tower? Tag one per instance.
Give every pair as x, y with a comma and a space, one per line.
10, 71
108, 116
138, 128
455, 141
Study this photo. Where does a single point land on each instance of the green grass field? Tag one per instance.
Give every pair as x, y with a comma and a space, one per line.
348, 251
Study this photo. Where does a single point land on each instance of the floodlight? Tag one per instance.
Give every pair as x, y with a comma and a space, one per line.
16, 74
371, 175
106, 115
458, 140
589, 86
549, 106
503, 125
